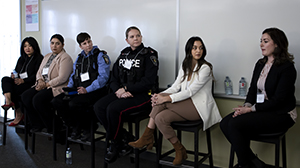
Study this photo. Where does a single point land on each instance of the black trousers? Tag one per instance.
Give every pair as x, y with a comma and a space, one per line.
110, 109
38, 107
77, 110
9, 86
240, 129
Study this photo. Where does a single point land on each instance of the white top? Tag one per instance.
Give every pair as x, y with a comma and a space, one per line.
199, 90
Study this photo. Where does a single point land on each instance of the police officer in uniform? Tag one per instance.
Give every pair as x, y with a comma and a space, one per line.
133, 78
86, 85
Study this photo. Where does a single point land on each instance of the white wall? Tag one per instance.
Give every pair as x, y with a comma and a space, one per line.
231, 30
107, 20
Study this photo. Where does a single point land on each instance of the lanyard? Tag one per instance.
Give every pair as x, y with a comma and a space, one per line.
135, 55
26, 65
82, 64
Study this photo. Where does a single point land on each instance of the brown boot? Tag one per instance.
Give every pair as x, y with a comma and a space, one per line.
180, 153
147, 139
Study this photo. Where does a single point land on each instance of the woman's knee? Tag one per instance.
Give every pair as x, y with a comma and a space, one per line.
224, 124
113, 111
99, 106
27, 97
74, 106
161, 120
57, 102
6, 79
36, 99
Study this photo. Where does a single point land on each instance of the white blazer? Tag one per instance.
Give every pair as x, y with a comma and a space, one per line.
199, 90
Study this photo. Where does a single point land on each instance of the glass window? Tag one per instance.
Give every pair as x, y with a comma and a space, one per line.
9, 40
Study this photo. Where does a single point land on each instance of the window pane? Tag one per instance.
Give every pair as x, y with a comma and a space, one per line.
9, 40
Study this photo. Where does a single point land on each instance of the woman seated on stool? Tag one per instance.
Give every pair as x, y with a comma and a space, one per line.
270, 103
23, 77
133, 76
52, 76
189, 98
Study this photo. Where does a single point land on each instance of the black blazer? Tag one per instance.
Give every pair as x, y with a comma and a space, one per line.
32, 68
279, 86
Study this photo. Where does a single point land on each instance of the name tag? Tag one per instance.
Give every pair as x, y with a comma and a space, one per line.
23, 75
45, 71
127, 64
260, 98
84, 76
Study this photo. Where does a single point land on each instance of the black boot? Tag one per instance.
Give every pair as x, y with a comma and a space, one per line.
127, 137
112, 153
86, 135
76, 133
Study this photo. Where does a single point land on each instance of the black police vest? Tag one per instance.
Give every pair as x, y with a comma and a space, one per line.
83, 65
137, 70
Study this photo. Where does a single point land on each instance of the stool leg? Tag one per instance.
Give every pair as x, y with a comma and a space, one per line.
208, 138
179, 135
33, 143
196, 148
92, 145
26, 130
283, 152
158, 149
105, 164
4, 128
67, 134
137, 151
277, 153
231, 159
54, 139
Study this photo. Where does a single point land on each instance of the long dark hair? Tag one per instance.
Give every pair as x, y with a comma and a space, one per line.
188, 60
33, 44
280, 53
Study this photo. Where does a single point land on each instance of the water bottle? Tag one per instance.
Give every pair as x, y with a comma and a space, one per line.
228, 86
69, 156
242, 87
1, 140
15, 73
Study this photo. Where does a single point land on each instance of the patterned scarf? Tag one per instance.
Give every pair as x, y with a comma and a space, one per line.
48, 65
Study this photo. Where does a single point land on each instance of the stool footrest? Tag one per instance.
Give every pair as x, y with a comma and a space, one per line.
170, 164
17, 126
167, 153
204, 156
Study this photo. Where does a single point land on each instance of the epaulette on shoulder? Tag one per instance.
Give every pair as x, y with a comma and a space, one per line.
96, 51
104, 52
151, 50
125, 50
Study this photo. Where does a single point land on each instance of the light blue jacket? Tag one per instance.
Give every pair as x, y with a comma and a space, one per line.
103, 70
